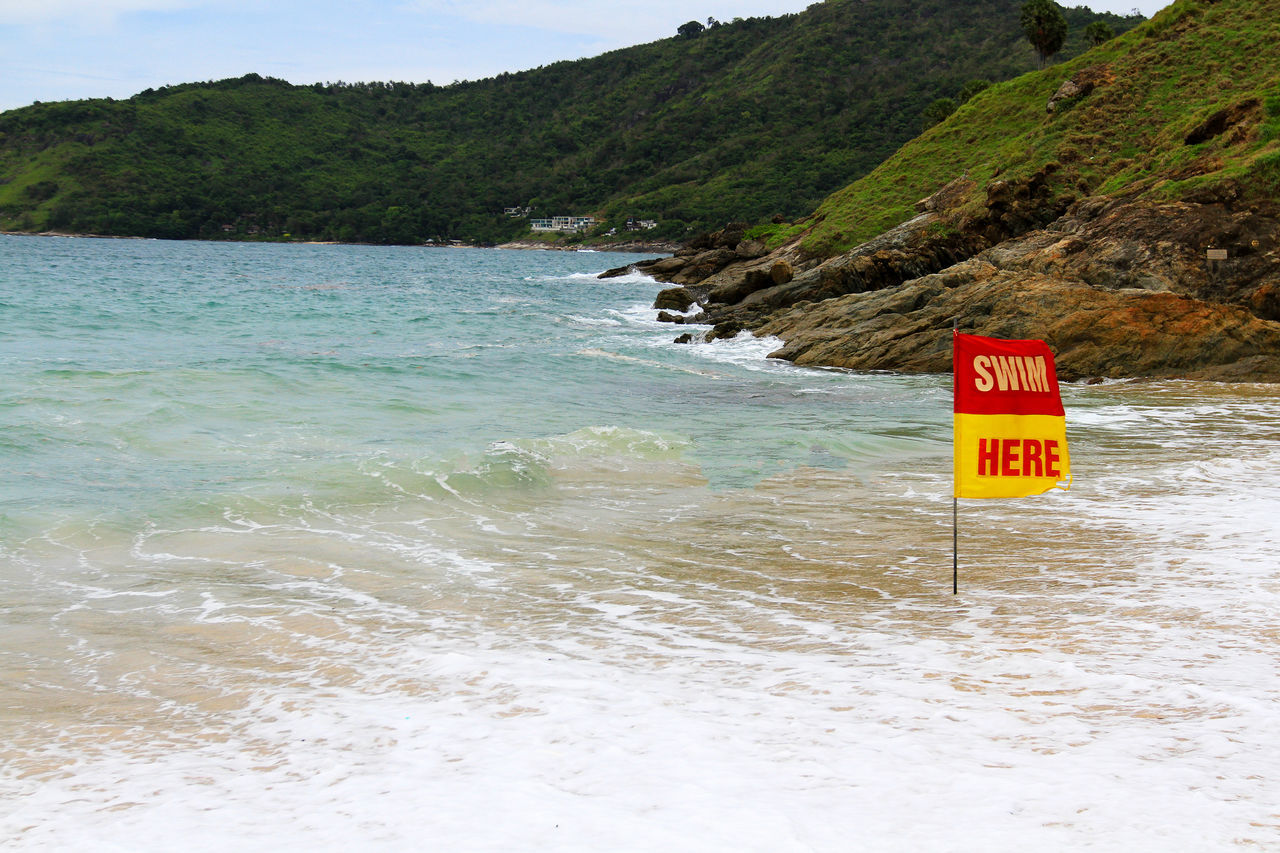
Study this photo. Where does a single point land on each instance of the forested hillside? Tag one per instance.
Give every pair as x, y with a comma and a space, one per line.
743, 120
1123, 207
1186, 106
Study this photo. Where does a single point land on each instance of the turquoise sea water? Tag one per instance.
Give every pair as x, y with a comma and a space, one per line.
141, 371
319, 534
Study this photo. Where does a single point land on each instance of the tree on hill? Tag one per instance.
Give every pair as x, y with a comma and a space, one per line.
1045, 27
937, 112
690, 30
972, 88
1099, 32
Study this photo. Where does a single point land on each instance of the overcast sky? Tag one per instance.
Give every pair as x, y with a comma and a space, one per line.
53, 50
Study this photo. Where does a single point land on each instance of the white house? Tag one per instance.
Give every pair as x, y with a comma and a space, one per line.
563, 223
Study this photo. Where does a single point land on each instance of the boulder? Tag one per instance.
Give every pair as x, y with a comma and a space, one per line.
666, 266
674, 299
1069, 89
727, 329
1080, 85
781, 272
731, 289
704, 264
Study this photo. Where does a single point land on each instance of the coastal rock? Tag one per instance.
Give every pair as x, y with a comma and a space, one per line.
1117, 287
701, 266
726, 329
674, 299
1117, 245
780, 272
619, 272
1093, 332
908, 251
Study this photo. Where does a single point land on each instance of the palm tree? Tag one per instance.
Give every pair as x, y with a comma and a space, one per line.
1045, 26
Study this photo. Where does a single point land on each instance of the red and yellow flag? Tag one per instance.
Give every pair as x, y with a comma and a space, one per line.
1010, 428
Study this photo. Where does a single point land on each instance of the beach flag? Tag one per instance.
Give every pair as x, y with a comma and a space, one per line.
1010, 428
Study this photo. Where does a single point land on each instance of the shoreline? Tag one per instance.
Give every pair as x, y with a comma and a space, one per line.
635, 247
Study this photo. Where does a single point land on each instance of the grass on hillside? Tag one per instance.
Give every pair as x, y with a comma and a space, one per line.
1170, 76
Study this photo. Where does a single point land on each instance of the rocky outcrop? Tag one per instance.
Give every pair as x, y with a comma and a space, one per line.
1080, 85
1159, 247
1233, 118
1093, 332
703, 261
1116, 287
746, 290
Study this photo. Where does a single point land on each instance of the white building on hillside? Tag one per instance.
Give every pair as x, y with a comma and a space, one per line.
563, 223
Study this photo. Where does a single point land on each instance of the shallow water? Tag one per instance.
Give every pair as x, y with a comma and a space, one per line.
322, 546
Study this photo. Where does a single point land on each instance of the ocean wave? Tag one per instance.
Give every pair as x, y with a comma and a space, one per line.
646, 362
743, 350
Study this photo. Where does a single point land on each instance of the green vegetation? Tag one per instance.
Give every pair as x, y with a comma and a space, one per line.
1098, 32
972, 88
744, 120
690, 30
1045, 26
938, 111
1186, 106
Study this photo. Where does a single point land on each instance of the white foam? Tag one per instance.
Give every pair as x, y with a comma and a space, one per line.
899, 741
646, 362
595, 321
631, 277
643, 316
744, 350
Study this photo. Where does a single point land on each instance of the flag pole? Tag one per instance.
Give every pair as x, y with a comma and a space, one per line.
955, 500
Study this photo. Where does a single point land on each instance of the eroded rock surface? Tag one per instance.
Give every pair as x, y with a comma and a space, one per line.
1117, 288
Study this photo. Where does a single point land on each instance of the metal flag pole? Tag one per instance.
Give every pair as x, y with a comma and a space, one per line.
955, 500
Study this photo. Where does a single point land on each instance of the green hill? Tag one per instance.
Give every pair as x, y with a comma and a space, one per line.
1123, 206
1186, 106
748, 119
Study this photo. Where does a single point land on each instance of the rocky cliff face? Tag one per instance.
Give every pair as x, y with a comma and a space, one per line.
1117, 288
